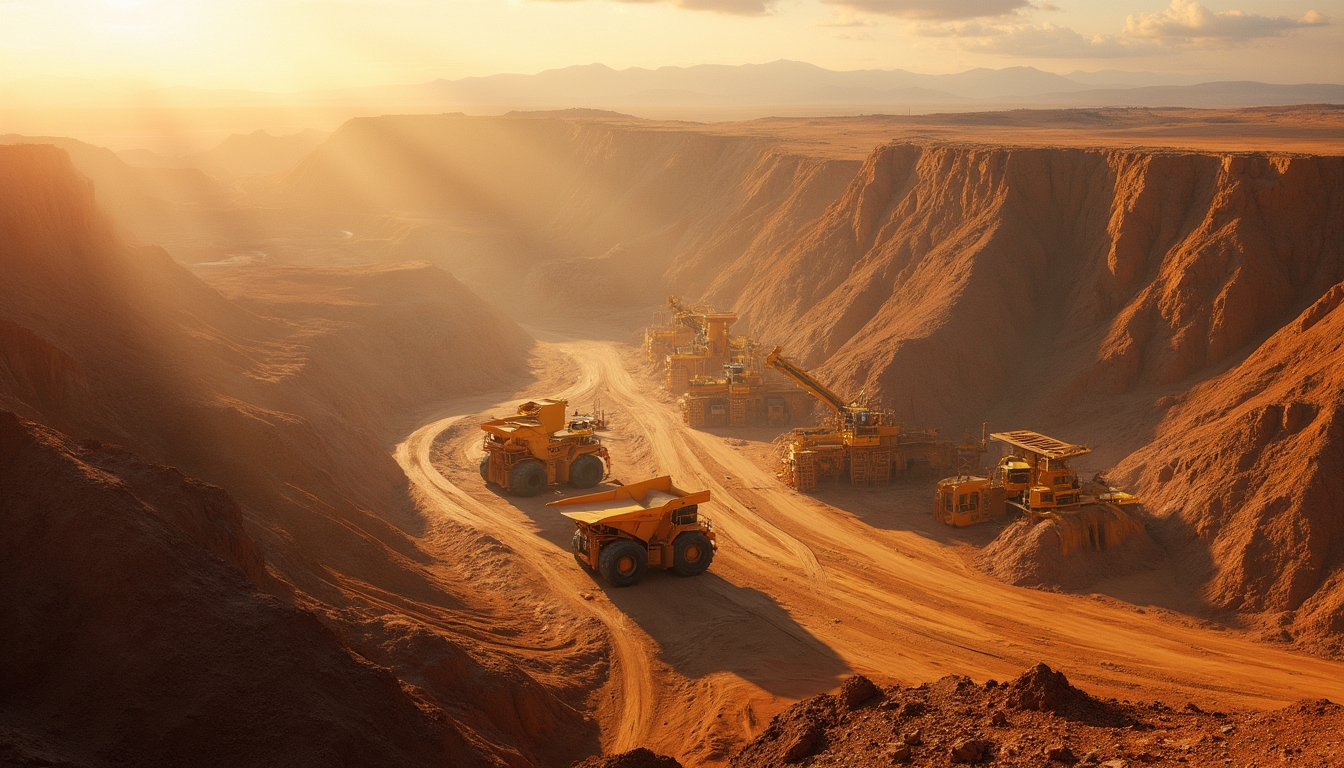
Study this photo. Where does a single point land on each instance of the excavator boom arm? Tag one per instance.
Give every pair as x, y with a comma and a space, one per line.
805, 380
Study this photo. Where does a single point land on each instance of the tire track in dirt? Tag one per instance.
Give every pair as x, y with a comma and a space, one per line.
911, 605
903, 608
674, 457
632, 659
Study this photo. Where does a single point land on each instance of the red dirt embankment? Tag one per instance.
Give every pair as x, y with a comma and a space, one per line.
1251, 466
1084, 293
281, 405
138, 630
1037, 719
964, 282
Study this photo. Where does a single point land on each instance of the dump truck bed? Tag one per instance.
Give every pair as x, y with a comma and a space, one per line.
1039, 444
650, 499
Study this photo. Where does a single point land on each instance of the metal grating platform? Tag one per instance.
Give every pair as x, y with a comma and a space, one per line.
1041, 445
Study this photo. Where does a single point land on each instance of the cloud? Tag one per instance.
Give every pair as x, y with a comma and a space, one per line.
728, 7
1044, 41
1184, 24
847, 20
733, 7
1189, 20
945, 10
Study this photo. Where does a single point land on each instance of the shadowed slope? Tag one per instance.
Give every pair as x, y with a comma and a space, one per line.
289, 408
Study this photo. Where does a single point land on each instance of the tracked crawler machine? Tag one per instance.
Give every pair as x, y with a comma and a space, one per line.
623, 532
1034, 478
743, 397
537, 448
674, 329
695, 343
862, 444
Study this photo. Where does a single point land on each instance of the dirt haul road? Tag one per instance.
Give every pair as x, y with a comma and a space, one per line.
803, 592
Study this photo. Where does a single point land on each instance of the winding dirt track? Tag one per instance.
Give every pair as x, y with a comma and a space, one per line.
804, 592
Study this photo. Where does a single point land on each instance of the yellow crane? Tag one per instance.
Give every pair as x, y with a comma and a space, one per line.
862, 443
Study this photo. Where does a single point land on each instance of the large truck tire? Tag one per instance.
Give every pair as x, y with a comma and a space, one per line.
485, 468
623, 562
577, 546
527, 478
586, 471
692, 552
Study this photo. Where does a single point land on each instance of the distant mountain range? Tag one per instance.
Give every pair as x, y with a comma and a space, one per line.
775, 88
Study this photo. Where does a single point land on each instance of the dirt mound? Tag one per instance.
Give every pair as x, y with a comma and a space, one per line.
1071, 550
1249, 467
1037, 719
1042, 688
635, 758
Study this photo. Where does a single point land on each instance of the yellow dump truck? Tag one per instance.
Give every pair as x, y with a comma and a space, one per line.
1034, 478
620, 533
537, 448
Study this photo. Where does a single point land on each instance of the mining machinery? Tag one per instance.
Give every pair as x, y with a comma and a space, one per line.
622, 532
743, 397
538, 447
670, 333
712, 348
1034, 478
862, 443
694, 344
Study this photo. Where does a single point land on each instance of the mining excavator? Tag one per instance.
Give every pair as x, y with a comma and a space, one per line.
620, 533
862, 443
696, 343
669, 333
538, 447
1034, 478
711, 348
742, 397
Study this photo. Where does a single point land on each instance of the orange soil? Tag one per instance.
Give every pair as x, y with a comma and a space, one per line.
286, 404
806, 590
1123, 275
1036, 719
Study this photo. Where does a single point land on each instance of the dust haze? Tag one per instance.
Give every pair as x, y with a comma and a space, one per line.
1003, 413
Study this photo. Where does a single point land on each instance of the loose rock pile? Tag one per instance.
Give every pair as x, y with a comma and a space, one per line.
1038, 719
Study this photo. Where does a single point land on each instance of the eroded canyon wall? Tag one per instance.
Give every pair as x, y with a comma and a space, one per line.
964, 281
293, 567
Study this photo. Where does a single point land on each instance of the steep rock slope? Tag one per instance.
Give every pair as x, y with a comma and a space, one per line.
1251, 463
960, 280
115, 343
133, 606
142, 200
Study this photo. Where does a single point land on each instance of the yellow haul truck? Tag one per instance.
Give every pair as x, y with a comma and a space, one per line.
620, 533
862, 443
1034, 478
526, 453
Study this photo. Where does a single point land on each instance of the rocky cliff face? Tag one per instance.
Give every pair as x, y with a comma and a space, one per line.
149, 611
1251, 462
959, 281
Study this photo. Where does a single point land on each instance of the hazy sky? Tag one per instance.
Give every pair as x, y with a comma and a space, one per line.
300, 44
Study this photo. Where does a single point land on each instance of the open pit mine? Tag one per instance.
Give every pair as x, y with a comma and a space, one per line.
1009, 440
